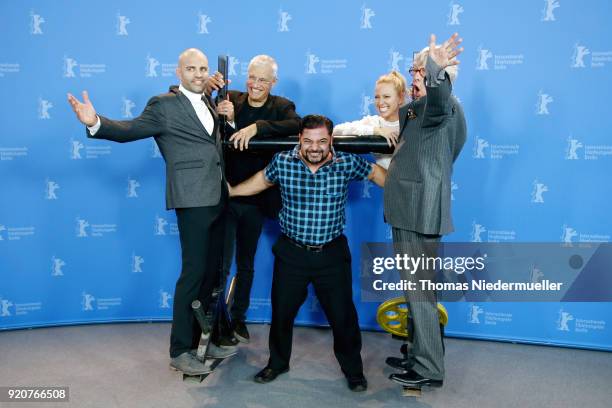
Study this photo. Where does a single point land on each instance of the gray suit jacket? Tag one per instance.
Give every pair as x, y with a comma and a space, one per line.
417, 192
194, 164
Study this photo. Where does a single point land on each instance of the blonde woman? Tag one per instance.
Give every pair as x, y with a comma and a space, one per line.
389, 95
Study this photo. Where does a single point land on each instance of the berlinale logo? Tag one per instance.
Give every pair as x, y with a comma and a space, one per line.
366, 16
543, 101
311, 61
122, 22
203, 21
35, 21
43, 108
453, 14
283, 19
151, 69
56, 266
549, 8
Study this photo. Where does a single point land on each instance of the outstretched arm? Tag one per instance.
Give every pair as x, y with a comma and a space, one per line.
437, 80
149, 123
256, 184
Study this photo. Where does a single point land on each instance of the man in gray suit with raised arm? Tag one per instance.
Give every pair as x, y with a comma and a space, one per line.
186, 129
417, 196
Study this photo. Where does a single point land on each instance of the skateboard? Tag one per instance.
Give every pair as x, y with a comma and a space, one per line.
214, 323
394, 317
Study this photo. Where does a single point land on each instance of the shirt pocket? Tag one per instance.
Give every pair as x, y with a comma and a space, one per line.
335, 187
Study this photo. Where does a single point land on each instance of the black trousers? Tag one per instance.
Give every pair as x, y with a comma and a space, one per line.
243, 227
330, 273
201, 231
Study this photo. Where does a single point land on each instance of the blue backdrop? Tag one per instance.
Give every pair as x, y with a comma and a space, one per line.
84, 236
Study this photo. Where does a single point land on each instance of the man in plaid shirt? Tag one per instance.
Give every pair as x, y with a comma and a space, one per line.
313, 180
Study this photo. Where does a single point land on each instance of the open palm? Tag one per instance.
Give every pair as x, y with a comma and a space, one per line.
84, 110
445, 55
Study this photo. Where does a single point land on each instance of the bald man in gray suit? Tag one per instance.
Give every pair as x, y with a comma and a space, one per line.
417, 196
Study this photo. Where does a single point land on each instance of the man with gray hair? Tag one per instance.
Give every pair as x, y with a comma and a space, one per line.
417, 197
254, 113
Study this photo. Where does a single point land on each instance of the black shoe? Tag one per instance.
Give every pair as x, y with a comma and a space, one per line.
400, 363
412, 379
357, 383
268, 375
240, 332
227, 342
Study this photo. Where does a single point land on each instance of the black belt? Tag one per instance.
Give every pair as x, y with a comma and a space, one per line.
311, 248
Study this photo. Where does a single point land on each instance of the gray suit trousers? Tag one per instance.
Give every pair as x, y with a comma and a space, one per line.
427, 349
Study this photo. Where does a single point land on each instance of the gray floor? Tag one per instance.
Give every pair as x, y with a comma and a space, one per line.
126, 365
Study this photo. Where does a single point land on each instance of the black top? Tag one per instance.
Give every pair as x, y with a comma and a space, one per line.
275, 118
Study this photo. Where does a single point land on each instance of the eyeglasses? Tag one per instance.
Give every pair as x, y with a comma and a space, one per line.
256, 80
413, 70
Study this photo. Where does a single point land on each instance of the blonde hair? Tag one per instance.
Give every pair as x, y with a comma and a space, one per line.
396, 79
420, 60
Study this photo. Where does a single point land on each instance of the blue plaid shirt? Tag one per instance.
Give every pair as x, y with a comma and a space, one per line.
313, 204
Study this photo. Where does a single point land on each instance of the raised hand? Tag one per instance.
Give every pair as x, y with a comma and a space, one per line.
84, 110
445, 55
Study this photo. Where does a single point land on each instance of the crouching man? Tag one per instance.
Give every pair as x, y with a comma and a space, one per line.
313, 180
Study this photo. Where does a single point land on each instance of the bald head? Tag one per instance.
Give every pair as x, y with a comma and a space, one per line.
192, 70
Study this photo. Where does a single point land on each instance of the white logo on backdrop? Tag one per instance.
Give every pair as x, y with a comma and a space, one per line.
137, 262
366, 102
81, 228
394, 60
160, 225
365, 191
311, 61
477, 230
56, 266
483, 57
87, 301
474, 314
563, 320
155, 152
75, 152
233, 63
366, 16
151, 69
122, 22
35, 21
453, 15
203, 21
43, 108
580, 51
454, 187
283, 19
69, 65
479, 146
4, 307
571, 152
549, 8
538, 190
568, 234
126, 109
131, 188
164, 299
52, 187
543, 101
